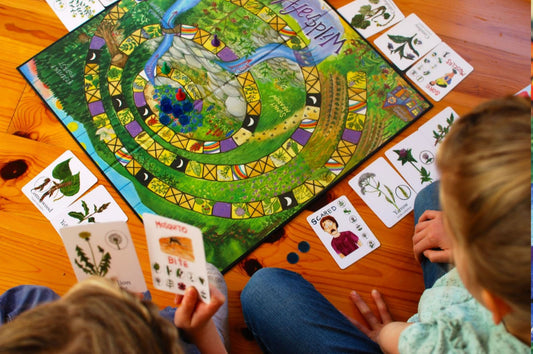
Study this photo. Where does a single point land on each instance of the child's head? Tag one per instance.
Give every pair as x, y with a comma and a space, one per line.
330, 225
485, 193
95, 316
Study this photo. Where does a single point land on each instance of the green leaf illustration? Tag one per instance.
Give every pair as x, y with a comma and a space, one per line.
62, 170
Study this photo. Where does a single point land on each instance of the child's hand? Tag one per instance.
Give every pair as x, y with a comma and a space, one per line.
376, 325
193, 316
430, 238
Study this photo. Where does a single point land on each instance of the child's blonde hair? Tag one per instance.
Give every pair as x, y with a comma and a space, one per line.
95, 316
485, 189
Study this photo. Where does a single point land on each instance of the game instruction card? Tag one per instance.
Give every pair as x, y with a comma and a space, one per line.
369, 17
439, 71
384, 191
94, 207
406, 42
59, 184
105, 250
343, 232
177, 256
73, 13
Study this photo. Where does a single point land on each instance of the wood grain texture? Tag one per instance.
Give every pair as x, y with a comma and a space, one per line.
493, 36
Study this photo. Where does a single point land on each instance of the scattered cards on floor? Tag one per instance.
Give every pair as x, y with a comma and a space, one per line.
384, 191
177, 256
59, 184
407, 41
369, 17
343, 232
436, 129
94, 207
439, 71
414, 158
75, 13
105, 250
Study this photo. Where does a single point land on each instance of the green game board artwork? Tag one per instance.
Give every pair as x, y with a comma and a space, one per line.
230, 115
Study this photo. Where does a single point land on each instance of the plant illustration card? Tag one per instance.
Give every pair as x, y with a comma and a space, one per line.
369, 17
59, 184
94, 207
407, 42
414, 158
439, 71
343, 232
105, 250
73, 13
436, 129
177, 256
384, 191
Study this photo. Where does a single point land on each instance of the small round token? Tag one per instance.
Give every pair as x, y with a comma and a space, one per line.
304, 247
292, 258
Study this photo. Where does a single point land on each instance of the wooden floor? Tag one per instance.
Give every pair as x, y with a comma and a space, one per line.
493, 37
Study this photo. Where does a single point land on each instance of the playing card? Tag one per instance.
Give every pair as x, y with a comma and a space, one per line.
369, 17
384, 191
94, 207
406, 42
435, 129
59, 184
439, 71
105, 250
414, 158
73, 13
177, 255
343, 232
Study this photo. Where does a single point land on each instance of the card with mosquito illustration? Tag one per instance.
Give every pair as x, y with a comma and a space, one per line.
407, 41
59, 184
414, 159
384, 191
343, 232
96, 206
369, 17
436, 129
177, 255
439, 71
106, 250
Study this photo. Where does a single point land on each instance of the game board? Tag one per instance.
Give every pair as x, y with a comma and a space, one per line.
227, 115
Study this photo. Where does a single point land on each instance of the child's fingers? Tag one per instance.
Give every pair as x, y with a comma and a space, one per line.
382, 307
188, 304
365, 310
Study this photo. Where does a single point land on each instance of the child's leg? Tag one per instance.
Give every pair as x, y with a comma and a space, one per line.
21, 298
428, 199
287, 314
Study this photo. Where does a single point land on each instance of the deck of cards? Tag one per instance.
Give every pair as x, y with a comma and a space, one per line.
343, 232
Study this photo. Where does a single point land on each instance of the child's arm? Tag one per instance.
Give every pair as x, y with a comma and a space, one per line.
385, 332
194, 318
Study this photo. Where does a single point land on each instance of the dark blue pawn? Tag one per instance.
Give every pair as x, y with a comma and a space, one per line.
215, 42
187, 106
184, 119
166, 105
177, 110
164, 119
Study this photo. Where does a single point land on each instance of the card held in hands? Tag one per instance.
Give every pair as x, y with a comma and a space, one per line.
177, 256
105, 250
343, 232
384, 191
